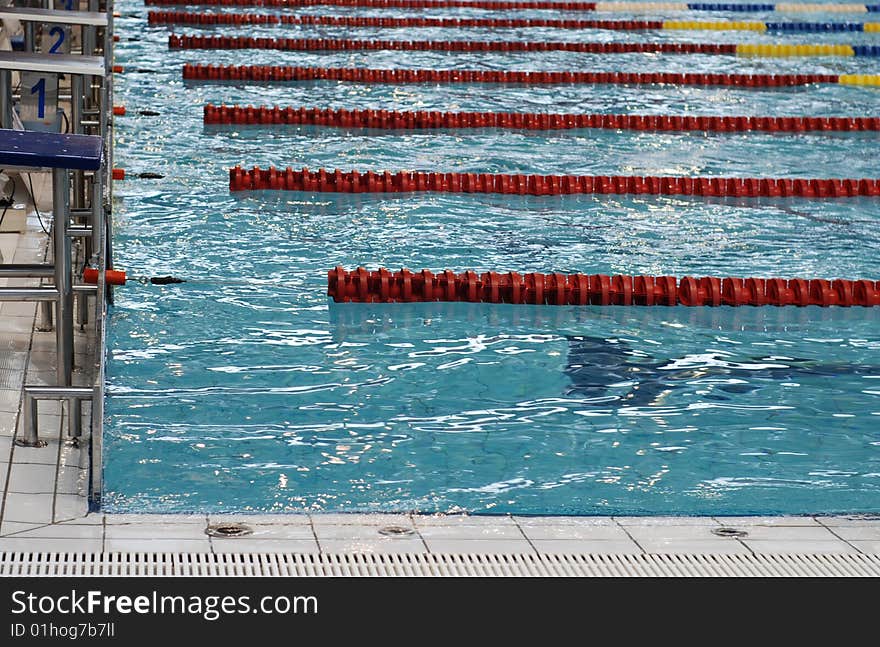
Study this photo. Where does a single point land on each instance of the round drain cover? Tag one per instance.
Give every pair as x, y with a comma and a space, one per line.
396, 531
228, 530
730, 532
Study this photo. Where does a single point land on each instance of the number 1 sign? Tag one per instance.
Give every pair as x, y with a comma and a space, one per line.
39, 99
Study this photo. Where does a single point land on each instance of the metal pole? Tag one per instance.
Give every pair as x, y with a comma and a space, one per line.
45, 392
63, 278
46, 319
103, 249
97, 441
32, 394
80, 231
76, 108
104, 176
29, 36
29, 424
105, 110
74, 405
26, 271
47, 295
82, 307
89, 40
80, 101
97, 241
97, 219
6, 98
64, 285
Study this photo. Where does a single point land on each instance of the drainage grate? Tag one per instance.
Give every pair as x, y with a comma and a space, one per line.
396, 531
730, 532
228, 530
287, 565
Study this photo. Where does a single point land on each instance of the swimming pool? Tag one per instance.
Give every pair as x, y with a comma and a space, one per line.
245, 390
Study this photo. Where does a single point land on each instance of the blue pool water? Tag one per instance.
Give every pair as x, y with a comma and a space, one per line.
245, 390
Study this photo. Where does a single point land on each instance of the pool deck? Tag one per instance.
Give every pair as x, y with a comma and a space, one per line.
439, 534
44, 505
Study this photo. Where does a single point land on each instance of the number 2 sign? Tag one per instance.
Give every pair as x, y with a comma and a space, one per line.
56, 39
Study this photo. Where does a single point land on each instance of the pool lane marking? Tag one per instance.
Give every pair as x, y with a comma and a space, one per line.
241, 19
347, 44
286, 73
397, 120
557, 289
507, 5
337, 181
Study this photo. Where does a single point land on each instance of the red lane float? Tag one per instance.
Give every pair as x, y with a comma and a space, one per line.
282, 73
111, 277
492, 5
346, 44
336, 181
393, 119
187, 18
404, 286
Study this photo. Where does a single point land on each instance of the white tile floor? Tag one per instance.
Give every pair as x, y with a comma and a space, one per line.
39, 485
44, 503
435, 533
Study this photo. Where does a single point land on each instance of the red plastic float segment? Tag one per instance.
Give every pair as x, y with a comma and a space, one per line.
112, 277
273, 73
336, 181
493, 5
348, 44
384, 286
392, 119
187, 18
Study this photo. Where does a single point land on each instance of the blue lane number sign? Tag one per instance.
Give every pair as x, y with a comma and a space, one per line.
39, 98
56, 39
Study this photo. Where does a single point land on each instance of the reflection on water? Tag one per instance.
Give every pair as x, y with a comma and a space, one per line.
595, 364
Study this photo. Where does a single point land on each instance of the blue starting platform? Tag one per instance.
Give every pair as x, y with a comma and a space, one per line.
49, 150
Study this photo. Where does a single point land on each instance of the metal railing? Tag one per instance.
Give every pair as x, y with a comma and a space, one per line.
33, 394
81, 208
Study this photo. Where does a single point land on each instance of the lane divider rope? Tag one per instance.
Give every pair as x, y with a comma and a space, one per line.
341, 44
337, 181
502, 5
392, 119
286, 73
185, 18
492, 5
404, 286
348, 44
